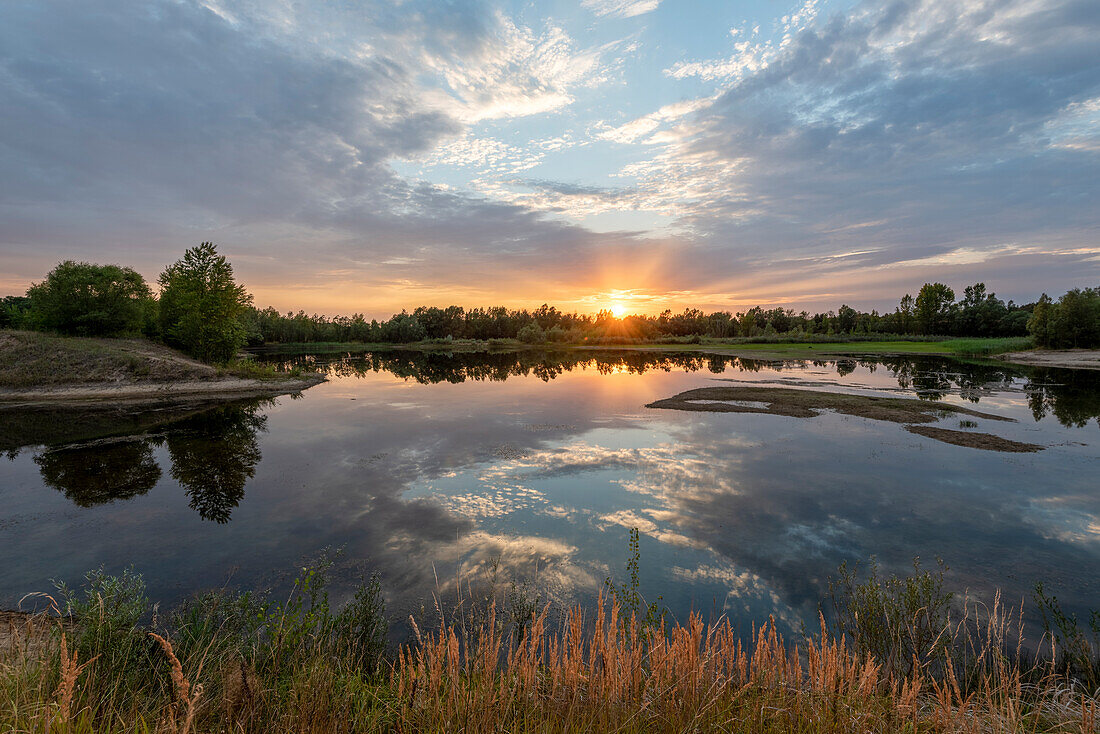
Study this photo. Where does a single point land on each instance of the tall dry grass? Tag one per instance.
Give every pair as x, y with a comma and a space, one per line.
599, 669
610, 676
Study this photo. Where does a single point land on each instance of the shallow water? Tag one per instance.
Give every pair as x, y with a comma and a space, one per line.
432, 467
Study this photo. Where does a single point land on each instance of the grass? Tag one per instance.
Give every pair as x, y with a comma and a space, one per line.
756, 347
31, 359
899, 658
253, 370
34, 359
810, 349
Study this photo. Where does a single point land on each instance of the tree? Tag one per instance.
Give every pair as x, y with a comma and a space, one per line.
1038, 326
846, 319
531, 334
934, 307
90, 300
1076, 321
904, 314
13, 310
202, 307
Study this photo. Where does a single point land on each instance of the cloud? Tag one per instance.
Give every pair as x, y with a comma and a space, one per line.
137, 129
621, 8
831, 155
918, 132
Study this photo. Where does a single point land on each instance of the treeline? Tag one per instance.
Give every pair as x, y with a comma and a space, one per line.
201, 309
934, 312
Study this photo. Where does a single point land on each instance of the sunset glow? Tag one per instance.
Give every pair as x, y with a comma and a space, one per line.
646, 155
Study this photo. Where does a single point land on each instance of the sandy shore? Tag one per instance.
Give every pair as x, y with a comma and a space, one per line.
1078, 359
227, 388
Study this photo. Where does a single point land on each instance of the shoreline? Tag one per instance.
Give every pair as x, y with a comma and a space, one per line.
138, 393
1075, 359
764, 351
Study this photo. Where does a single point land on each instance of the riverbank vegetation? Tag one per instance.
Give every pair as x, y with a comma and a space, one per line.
888, 654
31, 359
204, 311
979, 317
200, 309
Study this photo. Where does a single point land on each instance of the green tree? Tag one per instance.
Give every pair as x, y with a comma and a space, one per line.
1039, 326
90, 300
846, 319
1076, 321
934, 307
202, 308
904, 315
531, 334
13, 310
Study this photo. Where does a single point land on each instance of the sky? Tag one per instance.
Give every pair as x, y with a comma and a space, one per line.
373, 156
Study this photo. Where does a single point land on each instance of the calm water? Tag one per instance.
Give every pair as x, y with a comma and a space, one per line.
428, 468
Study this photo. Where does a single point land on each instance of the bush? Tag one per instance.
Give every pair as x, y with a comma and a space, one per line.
90, 300
900, 622
531, 334
106, 614
202, 308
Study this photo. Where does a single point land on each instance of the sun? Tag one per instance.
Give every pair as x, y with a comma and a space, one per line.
617, 310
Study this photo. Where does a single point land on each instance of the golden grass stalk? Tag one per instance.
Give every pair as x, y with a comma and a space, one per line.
185, 701
70, 671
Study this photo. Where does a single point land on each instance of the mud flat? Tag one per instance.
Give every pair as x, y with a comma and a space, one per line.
1077, 359
809, 403
974, 440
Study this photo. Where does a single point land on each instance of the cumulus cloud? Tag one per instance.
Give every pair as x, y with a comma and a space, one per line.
822, 156
135, 130
913, 130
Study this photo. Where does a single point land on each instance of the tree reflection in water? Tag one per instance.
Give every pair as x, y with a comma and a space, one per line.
1072, 396
214, 454
94, 474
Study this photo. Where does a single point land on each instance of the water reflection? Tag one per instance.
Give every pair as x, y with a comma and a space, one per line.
1072, 396
213, 454
426, 467
93, 474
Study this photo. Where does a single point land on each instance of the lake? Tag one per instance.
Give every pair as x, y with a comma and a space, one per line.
533, 466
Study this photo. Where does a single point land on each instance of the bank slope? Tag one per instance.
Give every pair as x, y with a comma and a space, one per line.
42, 368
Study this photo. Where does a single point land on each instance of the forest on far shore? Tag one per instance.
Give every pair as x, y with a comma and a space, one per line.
201, 309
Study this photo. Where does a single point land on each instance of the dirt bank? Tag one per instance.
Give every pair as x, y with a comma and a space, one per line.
37, 369
121, 393
23, 634
1078, 359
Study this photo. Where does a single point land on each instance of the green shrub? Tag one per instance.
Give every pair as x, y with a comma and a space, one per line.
1077, 651
84, 299
900, 621
531, 334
